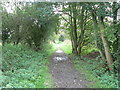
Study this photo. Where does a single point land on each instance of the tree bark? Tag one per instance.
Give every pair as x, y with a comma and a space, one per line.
81, 37
75, 36
105, 44
71, 30
73, 20
96, 36
115, 11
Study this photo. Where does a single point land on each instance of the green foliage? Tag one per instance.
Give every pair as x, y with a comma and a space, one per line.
65, 46
36, 23
33, 23
24, 68
48, 49
88, 49
95, 73
61, 38
111, 32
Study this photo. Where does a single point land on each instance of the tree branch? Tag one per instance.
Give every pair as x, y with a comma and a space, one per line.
66, 13
65, 19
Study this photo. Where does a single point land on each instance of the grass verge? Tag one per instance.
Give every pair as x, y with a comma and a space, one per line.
66, 47
25, 68
92, 72
92, 68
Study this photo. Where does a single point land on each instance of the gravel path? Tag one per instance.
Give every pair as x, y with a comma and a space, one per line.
63, 72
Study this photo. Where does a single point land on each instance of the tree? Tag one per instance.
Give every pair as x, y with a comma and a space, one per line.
30, 27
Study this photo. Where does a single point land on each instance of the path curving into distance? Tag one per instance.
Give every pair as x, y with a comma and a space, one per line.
63, 72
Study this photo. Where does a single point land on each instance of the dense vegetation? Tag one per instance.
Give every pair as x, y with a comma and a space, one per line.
25, 34
90, 65
31, 24
29, 28
25, 68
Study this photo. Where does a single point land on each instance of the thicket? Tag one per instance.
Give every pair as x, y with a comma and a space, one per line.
29, 23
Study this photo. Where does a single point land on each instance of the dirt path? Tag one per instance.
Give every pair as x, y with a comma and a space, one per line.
63, 72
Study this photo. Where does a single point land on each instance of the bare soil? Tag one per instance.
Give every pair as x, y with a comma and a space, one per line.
64, 73
92, 55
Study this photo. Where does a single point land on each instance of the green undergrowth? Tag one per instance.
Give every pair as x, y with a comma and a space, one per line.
95, 73
92, 68
88, 49
66, 47
23, 67
48, 49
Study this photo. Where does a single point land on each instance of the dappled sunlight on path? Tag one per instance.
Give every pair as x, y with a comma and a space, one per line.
60, 56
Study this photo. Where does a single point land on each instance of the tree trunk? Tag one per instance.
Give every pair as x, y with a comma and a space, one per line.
107, 51
114, 10
71, 30
75, 36
105, 44
73, 51
74, 27
96, 36
81, 37
115, 43
18, 40
80, 41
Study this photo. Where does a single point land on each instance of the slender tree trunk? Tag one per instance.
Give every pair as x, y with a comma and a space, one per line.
81, 37
80, 41
96, 36
73, 51
72, 39
74, 27
18, 40
75, 36
115, 10
71, 30
105, 44
17, 35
